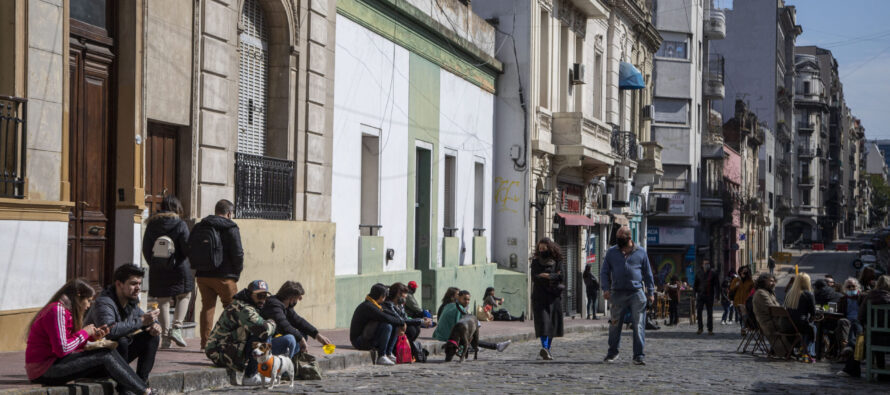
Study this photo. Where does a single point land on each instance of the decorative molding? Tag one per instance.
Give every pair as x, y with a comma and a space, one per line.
34, 210
571, 16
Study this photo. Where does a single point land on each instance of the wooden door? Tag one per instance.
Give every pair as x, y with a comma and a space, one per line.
91, 133
161, 164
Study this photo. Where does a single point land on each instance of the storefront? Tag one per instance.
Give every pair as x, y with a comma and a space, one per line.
672, 252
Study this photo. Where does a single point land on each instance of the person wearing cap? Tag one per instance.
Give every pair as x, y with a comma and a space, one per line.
229, 343
412, 308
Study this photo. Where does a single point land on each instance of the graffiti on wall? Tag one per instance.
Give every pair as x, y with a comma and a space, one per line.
508, 193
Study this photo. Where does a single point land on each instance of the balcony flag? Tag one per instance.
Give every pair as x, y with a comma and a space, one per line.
629, 77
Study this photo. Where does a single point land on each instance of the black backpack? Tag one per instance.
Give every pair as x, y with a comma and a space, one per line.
205, 248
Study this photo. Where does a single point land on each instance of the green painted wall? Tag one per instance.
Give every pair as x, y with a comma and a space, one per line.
473, 278
352, 289
480, 250
450, 251
513, 287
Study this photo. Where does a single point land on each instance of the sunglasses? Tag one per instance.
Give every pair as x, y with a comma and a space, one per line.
262, 296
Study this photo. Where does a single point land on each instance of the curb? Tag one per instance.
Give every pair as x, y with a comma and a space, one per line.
215, 378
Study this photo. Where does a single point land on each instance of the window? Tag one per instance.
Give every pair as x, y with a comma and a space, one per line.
806, 87
805, 197
563, 77
804, 171
598, 78
544, 59
370, 178
578, 89
769, 163
671, 111
674, 46
252, 80
450, 186
674, 178
479, 196
770, 200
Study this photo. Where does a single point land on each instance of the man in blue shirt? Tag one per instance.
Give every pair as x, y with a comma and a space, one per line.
626, 281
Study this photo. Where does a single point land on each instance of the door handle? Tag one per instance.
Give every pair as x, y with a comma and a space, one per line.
85, 204
94, 230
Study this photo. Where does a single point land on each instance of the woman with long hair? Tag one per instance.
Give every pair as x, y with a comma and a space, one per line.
171, 276
56, 339
801, 305
548, 285
450, 297
499, 314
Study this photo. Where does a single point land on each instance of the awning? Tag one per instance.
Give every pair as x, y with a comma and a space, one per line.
576, 219
620, 219
629, 77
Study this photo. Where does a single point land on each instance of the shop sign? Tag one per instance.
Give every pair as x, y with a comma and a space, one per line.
652, 235
569, 198
670, 235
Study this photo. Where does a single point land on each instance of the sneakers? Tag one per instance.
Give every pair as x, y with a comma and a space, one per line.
699, 332
176, 336
165, 342
710, 333
722, 322
252, 380
639, 361
842, 374
611, 358
383, 360
391, 357
545, 354
503, 345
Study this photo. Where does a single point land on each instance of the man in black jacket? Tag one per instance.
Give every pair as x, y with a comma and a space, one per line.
280, 308
707, 288
372, 328
221, 282
825, 294
137, 333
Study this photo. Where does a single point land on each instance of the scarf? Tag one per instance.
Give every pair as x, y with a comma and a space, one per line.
368, 298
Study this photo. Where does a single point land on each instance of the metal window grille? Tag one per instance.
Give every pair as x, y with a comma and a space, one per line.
13, 140
264, 187
624, 144
252, 80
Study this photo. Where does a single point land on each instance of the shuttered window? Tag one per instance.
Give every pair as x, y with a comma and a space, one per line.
252, 80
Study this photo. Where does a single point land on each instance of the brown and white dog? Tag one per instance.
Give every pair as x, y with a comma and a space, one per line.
465, 333
272, 366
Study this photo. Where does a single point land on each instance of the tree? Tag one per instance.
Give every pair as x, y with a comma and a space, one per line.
880, 198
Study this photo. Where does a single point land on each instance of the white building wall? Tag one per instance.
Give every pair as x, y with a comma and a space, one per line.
32, 253
466, 126
371, 89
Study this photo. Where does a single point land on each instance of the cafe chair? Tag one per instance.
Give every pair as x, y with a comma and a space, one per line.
877, 340
787, 334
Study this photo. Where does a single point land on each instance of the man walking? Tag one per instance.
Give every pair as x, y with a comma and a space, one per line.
707, 287
626, 281
216, 237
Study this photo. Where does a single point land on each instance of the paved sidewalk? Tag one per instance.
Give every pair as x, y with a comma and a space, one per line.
187, 369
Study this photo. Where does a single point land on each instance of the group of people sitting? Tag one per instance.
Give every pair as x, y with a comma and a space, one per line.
389, 312
803, 301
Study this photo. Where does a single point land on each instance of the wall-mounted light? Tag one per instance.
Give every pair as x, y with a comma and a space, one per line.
541, 200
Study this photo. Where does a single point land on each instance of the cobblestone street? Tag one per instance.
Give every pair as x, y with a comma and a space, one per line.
677, 360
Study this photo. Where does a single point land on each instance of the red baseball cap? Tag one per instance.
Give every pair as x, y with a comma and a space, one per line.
412, 284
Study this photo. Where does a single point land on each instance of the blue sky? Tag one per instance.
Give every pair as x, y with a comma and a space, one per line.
858, 34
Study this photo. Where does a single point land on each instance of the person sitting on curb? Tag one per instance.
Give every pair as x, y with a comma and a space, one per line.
372, 328
412, 308
241, 324
496, 302
395, 305
137, 333
452, 313
280, 308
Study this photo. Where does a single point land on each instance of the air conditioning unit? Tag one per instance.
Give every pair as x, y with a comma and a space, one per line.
577, 74
647, 112
662, 204
640, 153
606, 202
622, 172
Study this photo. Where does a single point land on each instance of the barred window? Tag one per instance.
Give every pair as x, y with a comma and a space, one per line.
253, 80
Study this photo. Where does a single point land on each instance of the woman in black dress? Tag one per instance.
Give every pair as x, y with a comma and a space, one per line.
547, 292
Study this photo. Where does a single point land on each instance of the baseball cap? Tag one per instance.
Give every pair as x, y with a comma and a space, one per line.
258, 286
412, 284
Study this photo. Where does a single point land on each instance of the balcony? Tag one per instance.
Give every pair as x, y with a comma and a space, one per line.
651, 160
715, 24
624, 145
582, 142
714, 88
823, 131
805, 127
591, 8
784, 132
784, 97
264, 187
805, 181
805, 152
13, 143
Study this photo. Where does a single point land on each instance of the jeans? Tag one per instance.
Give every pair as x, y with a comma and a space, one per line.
728, 310
93, 364
635, 301
705, 303
855, 330
739, 317
808, 333
378, 336
280, 346
592, 305
674, 311
143, 346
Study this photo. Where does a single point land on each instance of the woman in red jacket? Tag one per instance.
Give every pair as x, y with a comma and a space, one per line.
55, 355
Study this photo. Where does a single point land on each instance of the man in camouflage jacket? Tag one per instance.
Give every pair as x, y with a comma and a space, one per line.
239, 324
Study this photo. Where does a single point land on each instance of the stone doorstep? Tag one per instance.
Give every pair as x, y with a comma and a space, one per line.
210, 378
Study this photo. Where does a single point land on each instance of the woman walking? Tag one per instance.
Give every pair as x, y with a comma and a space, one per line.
56, 339
171, 276
592, 287
547, 294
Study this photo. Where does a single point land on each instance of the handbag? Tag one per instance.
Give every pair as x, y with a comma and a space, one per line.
418, 351
483, 315
859, 353
403, 350
307, 367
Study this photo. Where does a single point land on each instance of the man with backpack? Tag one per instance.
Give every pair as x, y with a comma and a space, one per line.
216, 254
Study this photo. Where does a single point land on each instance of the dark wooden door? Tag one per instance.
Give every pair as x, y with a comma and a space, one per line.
91, 133
161, 164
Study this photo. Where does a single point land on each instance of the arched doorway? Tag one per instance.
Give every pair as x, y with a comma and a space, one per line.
796, 230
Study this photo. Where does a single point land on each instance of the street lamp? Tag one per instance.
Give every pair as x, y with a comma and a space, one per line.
541, 200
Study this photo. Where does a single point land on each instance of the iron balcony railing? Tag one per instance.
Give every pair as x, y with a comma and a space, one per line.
715, 68
13, 146
805, 151
264, 187
624, 144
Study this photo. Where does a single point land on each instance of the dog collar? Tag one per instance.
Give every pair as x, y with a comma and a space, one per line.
453, 342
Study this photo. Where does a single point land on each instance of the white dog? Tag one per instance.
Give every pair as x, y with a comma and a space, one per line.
272, 366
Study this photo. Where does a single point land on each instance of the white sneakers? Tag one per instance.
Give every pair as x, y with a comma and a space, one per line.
252, 381
503, 345
383, 360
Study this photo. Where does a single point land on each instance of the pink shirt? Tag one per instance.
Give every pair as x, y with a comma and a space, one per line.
51, 337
